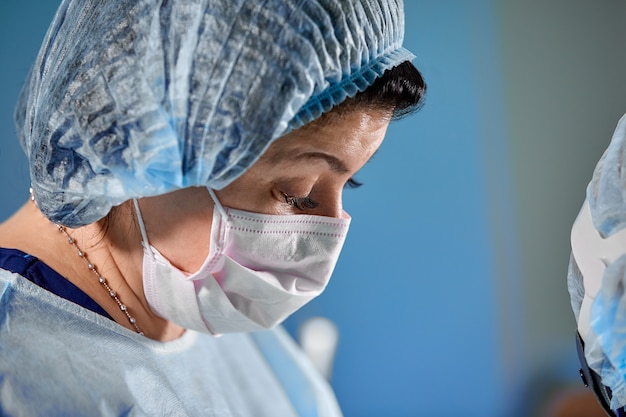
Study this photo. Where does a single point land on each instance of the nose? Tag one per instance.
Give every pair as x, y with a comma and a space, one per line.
333, 206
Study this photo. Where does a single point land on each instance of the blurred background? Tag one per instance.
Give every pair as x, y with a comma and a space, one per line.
450, 297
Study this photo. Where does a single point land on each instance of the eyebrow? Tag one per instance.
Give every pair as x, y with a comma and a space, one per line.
333, 162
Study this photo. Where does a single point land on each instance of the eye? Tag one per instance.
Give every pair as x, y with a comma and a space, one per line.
301, 203
352, 183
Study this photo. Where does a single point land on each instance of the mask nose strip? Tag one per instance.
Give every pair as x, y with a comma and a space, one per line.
218, 205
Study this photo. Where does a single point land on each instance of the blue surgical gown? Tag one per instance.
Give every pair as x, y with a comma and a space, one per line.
58, 358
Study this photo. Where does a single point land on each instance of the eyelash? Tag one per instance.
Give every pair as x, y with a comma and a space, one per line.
306, 203
352, 183
301, 203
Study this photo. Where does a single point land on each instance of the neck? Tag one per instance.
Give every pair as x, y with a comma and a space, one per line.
116, 254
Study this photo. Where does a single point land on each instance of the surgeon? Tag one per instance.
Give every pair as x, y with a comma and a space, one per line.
597, 278
187, 161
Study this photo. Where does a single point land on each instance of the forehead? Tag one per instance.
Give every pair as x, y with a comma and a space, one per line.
352, 135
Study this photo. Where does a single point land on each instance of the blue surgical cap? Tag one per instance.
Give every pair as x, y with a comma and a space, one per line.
605, 346
130, 99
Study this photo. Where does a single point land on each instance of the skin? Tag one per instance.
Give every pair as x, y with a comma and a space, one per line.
304, 171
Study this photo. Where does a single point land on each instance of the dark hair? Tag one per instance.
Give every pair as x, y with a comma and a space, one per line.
400, 91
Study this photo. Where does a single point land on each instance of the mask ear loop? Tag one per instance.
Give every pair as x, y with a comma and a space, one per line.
218, 205
142, 227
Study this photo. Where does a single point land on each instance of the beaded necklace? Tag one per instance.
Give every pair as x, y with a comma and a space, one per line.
102, 280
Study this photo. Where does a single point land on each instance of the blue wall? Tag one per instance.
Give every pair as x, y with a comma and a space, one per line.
413, 295
22, 28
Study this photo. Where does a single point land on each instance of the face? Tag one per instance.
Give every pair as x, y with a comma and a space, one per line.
303, 172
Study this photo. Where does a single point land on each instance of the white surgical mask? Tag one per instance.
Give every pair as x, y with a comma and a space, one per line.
259, 270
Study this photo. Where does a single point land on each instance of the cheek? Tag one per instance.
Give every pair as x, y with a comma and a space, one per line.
179, 225
191, 250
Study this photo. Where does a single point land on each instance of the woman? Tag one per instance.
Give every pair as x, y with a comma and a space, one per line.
188, 161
